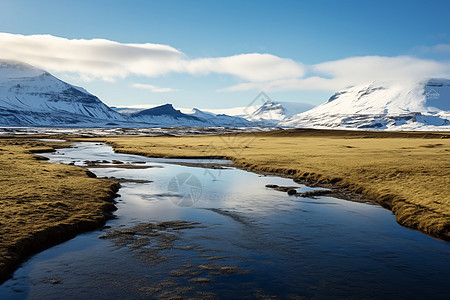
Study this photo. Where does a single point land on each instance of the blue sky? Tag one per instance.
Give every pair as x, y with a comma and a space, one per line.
312, 41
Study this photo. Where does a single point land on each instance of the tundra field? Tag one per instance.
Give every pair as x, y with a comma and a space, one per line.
42, 204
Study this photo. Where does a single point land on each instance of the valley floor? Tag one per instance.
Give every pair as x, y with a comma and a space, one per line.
42, 204
408, 173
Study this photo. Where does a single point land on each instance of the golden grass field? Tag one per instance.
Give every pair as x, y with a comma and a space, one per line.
42, 204
408, 173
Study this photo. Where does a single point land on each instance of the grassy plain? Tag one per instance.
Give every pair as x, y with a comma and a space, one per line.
41, 203
408, 173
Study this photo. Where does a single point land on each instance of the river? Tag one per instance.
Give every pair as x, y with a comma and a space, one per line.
182, 230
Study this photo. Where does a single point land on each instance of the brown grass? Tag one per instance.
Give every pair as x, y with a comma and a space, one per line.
408, 173
42, 204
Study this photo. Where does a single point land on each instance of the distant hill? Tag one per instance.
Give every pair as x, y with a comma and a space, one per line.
268, 114
167, 116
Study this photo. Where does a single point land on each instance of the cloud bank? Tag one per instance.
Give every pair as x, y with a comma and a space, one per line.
338, 74
109, 60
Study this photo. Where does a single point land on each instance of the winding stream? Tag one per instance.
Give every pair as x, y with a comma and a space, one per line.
235, 239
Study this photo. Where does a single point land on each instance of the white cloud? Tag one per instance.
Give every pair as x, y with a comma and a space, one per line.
109, 60
252, 67
97, 58
338, 74
366, 68
153, 88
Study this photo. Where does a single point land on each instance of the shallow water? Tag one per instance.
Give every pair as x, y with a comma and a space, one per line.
252, 242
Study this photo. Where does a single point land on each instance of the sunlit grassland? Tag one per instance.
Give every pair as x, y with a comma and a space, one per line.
43, 203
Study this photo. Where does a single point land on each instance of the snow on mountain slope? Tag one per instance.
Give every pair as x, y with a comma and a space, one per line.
32, 97
422, 105
221, 120
166, 116
268, 114
271, 112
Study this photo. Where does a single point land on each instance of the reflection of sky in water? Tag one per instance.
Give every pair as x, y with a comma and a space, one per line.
322, 247
94, 151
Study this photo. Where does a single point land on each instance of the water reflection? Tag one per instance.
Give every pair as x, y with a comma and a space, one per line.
256, 243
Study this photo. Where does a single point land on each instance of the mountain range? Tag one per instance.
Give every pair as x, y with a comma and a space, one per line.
270, 113
31, 97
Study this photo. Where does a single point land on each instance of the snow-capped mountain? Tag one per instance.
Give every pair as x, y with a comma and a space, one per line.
271, 112
33, 97
221, 120
420, 105
167, 116
266, 115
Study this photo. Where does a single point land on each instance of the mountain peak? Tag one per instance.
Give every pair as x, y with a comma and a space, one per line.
270, 110
199, 112
11, 69
9, 63
168, 105
162, 110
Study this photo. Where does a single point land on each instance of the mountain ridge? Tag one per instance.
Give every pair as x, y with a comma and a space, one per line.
31, 97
